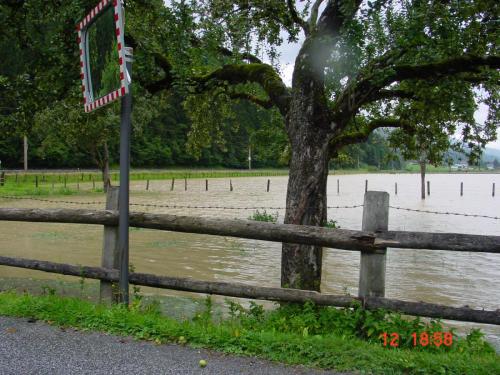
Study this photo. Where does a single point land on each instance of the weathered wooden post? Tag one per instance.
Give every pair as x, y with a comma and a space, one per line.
428, 188
36, 181
461, 189
185, 184
493, 190
268, 183
173, 182
396, 188
206, 185
2, 178
230, 185
372, 269
110, 251
147, 185
338, 186
366, 186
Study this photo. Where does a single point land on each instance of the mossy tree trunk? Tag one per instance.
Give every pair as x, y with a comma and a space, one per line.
310, 134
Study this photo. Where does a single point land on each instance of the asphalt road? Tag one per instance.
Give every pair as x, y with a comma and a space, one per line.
38, 348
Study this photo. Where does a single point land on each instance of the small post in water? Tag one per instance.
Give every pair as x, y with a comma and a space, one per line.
373, 263
185, 184
366, 186
268, 183
338, 186
461, 189
206, 185
230, 185
395, 188
428, 188
147, 185
493, 190
173, 182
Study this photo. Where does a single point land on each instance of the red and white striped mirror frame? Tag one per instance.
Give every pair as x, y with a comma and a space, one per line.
90, 103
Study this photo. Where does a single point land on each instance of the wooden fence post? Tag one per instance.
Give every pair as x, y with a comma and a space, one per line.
428, 188
185, 184
230, 185
173, 182
147, 185
372, 269
268, 183
36, 181
461, 189
396, 188
206, 185
338, 186
493, 190
366, 186
2, 178
110, 251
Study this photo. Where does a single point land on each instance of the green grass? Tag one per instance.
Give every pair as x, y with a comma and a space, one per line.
305, 335
264, 216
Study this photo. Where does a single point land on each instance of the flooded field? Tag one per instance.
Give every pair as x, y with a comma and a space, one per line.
449, 278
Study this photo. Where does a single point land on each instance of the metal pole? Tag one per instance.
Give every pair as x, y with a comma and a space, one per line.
125, 130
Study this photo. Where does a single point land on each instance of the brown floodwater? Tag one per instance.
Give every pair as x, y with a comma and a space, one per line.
444, 277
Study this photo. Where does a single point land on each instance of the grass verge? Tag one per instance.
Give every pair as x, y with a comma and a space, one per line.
278, 335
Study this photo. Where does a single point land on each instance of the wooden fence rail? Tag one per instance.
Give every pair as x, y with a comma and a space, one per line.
335, 238
372, 241
262, 293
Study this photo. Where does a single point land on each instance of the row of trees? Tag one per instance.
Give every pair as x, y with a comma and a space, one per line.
413, 66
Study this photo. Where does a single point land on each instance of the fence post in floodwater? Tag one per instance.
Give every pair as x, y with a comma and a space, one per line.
269, 183
395, 188
147, 184
493, 190
185, 184
338, 186
461, 189
230, 185
372, 269
428, 188
366, 186
173, 182
110, 251
206, 185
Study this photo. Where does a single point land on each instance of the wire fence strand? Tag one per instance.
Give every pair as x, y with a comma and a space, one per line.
209, 207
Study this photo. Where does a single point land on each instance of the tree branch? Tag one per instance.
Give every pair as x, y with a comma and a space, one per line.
296, 18
336, 15
393, 94
167, 81
262, 74
466, 63
368, 88
361, 135
313, 18
267, 104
